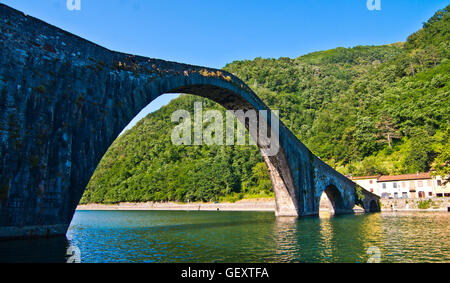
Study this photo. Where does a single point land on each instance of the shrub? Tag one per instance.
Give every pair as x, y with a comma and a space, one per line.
425, 204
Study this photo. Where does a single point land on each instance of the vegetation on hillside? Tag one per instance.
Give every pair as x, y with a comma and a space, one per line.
144, 165
364, 110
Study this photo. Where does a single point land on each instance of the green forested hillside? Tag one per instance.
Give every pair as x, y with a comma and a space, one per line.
364, 110
144, 165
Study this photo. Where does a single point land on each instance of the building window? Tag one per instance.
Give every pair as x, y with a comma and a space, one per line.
439, 182
421, 194
429, 183
403, 184
439, 195
395, 195
371, 181
384, 185
394, 185
430, 194
420, 184
404, 195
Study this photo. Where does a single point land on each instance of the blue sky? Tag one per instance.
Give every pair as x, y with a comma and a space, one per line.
213, 33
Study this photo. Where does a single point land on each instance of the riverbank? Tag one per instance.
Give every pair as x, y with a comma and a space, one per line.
266, 205
416, 205
242, 205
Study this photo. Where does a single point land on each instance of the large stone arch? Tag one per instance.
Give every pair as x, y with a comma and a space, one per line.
201, 82
64, 100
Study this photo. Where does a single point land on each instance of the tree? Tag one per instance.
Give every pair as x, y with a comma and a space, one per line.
365, 135
419, 154
441, 164
387, 130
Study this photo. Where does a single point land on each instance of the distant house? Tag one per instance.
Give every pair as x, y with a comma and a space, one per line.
419, 185
441, 189
367, 182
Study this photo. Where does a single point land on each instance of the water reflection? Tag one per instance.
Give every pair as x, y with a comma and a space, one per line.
370, 234
285, 236
173, 236
415, 237
51, 250
326, 237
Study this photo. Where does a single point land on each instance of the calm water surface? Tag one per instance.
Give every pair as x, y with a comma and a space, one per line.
176, 236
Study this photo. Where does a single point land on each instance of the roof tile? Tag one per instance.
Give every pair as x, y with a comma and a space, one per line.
417, 176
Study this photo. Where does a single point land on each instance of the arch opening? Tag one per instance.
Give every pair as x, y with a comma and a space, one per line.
374, 206
153, 106
331, 202
277, 165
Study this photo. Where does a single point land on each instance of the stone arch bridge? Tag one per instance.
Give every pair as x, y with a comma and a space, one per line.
64, 100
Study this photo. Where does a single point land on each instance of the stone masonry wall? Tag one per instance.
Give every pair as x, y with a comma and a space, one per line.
439, 204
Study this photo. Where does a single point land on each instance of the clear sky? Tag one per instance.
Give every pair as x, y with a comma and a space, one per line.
213, 33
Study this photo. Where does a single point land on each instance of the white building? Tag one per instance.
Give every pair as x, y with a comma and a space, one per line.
441, 189
367, 182
419, 185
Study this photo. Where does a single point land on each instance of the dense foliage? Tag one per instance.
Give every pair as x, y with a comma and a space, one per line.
144, 165
363, 110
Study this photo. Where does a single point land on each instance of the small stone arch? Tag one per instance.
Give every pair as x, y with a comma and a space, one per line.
335, 199
374, 206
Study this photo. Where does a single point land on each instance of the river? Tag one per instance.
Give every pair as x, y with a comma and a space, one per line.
217, 236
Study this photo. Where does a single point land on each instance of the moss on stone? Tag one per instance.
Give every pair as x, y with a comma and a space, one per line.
12, 121
4, 189
41, 89
360, 197
79, 101
100, 66
34, 161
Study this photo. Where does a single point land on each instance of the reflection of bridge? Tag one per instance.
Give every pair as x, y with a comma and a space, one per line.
63, 101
